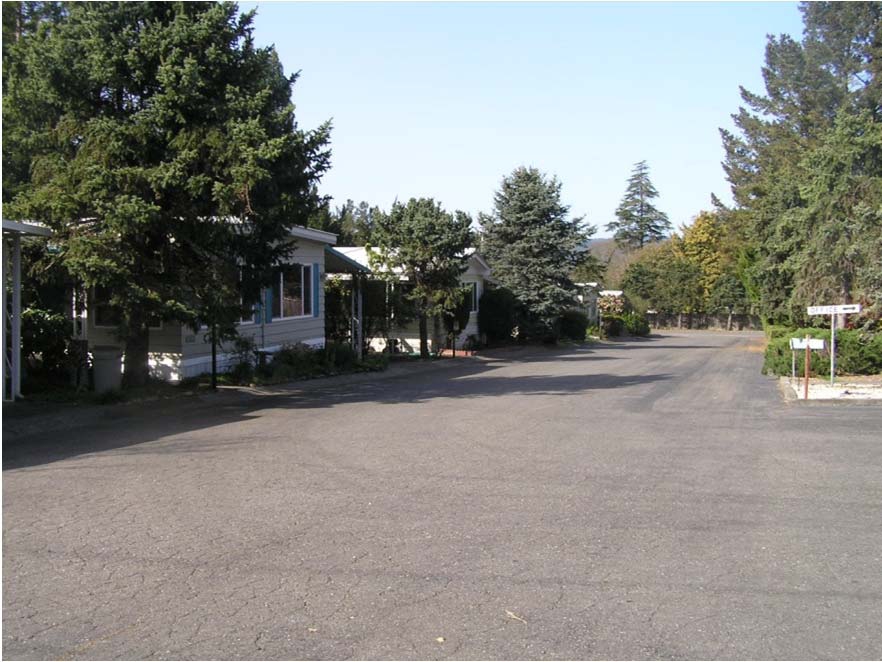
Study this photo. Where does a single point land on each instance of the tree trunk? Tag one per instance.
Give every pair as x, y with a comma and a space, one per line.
137, 370
424, 336
729, 321
679, 320
437, 333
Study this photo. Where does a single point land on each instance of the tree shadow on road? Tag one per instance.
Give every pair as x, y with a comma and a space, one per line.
130, 425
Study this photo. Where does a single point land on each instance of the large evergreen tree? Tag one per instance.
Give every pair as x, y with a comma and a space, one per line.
533, 247
353, 224
427, 246
638, 221
158, 141
804, 167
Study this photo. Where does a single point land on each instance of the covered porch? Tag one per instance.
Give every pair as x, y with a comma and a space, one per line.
356, 274
13, 233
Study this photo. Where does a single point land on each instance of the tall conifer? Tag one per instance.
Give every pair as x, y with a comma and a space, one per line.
638, 221
158, 138
533, 246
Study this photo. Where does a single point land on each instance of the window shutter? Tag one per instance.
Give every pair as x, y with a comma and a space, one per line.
268, 305
316, 281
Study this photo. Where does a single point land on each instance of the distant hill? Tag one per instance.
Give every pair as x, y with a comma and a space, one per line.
612, 257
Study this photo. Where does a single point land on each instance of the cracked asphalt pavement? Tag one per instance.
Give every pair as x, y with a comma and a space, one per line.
643, 499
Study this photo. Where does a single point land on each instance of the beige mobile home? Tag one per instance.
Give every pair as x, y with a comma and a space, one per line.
291, 311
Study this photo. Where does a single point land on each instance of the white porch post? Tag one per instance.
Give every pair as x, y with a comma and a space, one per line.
7, 365
353, 322
359, 352
16, 317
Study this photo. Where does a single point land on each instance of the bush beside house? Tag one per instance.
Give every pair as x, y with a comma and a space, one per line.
573, 325
858, 352
300, 361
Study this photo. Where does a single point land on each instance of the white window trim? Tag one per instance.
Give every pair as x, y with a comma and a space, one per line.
474, 295
94, 303
116, 326
303, 267
245, 321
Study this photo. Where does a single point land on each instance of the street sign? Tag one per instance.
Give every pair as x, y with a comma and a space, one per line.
834, 310
813, 343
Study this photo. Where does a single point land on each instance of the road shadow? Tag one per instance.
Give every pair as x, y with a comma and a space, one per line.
122, 426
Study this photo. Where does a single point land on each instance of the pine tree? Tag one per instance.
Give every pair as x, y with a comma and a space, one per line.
639, 222
533, 247
426, 245
803, 165
162, 149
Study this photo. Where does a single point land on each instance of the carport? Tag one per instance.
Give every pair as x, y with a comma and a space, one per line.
338, 263
13, 232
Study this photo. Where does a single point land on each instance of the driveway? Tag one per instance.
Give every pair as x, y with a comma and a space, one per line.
645, 499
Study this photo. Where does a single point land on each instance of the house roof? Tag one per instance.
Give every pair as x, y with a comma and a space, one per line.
314, 235
19, 227
297, 231
359, 254
340, 263
476, 257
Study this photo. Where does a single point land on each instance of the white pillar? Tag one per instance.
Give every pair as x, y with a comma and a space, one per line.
353, 322
16, 316
832, 349
7, 365
360, 349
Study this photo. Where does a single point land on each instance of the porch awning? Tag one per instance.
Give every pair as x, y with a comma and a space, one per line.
338, 263
13, 231
17, 227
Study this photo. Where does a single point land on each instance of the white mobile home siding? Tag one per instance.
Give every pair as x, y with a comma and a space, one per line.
272, 335
164, 344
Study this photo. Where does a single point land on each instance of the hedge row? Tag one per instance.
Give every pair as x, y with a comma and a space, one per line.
857, 352
632, 324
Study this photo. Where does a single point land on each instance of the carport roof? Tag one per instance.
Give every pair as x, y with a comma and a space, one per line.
339, 263
18, 227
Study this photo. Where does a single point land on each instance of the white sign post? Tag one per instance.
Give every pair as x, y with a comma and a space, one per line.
833, 311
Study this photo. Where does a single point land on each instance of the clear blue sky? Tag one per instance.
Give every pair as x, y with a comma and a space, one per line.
444, 99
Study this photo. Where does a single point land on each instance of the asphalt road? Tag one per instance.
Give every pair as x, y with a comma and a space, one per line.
649, 499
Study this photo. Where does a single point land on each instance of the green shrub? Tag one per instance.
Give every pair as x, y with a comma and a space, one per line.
244, 350
592, 332
857, 353
50, 354
635, 324
612, 326
375, 362
573, 324
777, 331
497, 314
188, 383
338, 357
303, 360
242, 373
282, 372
